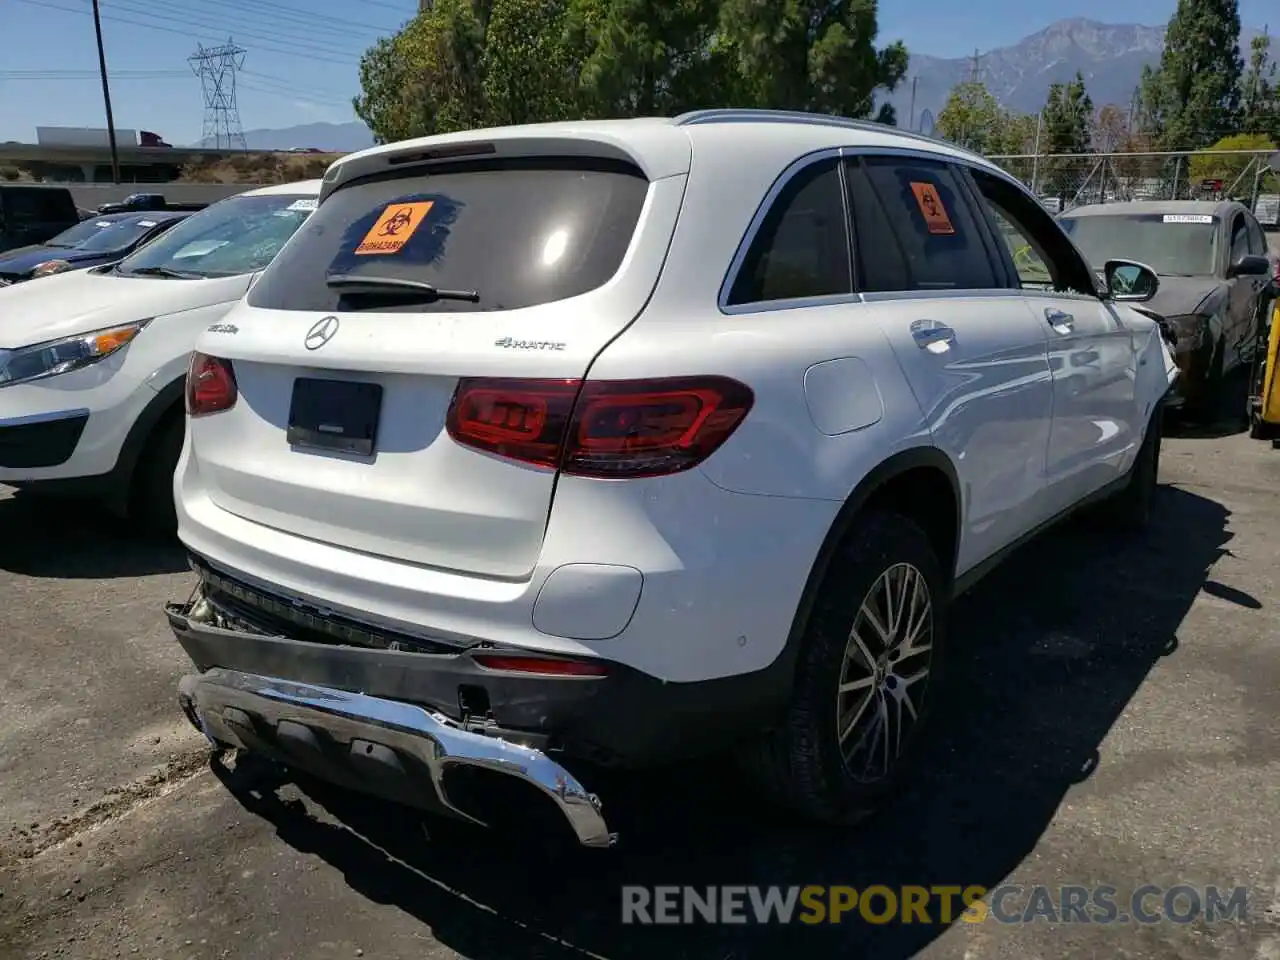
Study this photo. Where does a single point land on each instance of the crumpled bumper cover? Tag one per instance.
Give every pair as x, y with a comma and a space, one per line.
384, 747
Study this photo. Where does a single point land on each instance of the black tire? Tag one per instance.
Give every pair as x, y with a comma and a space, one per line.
151, 504
1130, 509
802, 765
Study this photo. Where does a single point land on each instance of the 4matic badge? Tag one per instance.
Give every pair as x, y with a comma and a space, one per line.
507, 343
223, 328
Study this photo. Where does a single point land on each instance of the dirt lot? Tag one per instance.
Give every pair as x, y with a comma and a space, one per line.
1113, 720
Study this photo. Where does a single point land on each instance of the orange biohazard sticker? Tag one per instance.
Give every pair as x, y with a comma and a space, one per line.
394, 228
931, 208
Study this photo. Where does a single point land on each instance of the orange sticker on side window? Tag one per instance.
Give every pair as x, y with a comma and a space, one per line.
394, 228
931, 208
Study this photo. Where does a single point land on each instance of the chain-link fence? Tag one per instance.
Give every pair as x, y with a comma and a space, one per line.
1068, 180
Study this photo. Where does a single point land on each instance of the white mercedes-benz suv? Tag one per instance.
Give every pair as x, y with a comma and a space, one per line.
553, 446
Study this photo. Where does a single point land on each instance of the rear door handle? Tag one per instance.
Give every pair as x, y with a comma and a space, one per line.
932, 335
1062, 322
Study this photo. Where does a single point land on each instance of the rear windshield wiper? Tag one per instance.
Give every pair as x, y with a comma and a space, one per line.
397, 287
159, 272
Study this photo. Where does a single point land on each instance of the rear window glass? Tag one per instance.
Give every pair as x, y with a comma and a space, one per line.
39, 203
518, 234
935, 227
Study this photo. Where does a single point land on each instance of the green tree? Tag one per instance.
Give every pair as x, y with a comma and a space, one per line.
974, 119
1229, 167
1068, 116
429, 77
1259, 97
1067, 121
1192, 98
816, 55
1015, 133
529, 70
652, 58
971, 117
465, 63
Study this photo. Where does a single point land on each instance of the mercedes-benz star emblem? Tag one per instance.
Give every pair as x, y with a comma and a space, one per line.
321, 333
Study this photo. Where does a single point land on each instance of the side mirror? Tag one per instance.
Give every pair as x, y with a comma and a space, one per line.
1130, 281
1250, 265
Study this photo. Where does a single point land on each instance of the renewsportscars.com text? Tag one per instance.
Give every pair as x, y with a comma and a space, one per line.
1008, 904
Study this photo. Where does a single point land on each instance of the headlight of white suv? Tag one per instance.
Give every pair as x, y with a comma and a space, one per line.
53, 357
50, 267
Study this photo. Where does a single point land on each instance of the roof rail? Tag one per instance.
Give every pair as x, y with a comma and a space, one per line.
753, 115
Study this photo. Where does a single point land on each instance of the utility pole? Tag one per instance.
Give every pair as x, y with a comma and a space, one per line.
911, 124
106, 95
976, 72
1035, 156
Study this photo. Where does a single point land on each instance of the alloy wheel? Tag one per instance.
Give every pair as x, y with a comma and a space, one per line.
885, 673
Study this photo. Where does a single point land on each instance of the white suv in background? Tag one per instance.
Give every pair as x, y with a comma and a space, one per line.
621, 441
92, 364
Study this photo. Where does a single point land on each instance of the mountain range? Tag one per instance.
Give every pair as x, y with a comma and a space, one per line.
1110, 56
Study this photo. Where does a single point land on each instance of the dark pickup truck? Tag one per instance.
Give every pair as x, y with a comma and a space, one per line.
33, 213
139, 202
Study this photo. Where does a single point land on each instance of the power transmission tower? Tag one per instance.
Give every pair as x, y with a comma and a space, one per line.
216, 67
975, 73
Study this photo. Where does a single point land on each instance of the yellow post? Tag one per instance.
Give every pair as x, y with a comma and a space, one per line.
1270, 412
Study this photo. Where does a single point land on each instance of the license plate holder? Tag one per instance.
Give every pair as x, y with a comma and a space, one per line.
337, 415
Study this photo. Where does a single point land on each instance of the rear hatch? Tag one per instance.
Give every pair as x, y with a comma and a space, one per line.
346, 365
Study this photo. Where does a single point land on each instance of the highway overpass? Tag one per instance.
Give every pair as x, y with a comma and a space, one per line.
90, 164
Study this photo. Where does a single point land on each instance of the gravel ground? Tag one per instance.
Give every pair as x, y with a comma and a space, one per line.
1112, 720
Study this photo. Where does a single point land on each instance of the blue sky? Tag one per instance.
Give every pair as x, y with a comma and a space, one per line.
302, 55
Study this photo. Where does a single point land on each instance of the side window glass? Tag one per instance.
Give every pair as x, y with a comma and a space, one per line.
1041, 253
882, 264
939, 234
802, 246
1239, 238
1033, 272
23, 206
1257, 241
51, 206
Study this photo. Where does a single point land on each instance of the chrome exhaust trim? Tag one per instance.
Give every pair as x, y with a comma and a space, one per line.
241, 710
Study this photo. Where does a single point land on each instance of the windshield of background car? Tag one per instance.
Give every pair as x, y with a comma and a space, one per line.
239, 235
1173, 245
116, 235
518, 233
82, 232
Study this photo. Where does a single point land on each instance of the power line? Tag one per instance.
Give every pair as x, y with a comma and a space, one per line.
282, 12
270, 87
383, 3
89, 74
221, 24
193, 34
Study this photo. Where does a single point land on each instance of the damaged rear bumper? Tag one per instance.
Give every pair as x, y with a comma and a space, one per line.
395, 750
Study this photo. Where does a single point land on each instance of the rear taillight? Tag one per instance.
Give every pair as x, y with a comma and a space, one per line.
211, 385
600, 428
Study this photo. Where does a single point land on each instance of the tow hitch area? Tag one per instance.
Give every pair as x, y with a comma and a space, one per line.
387, 748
